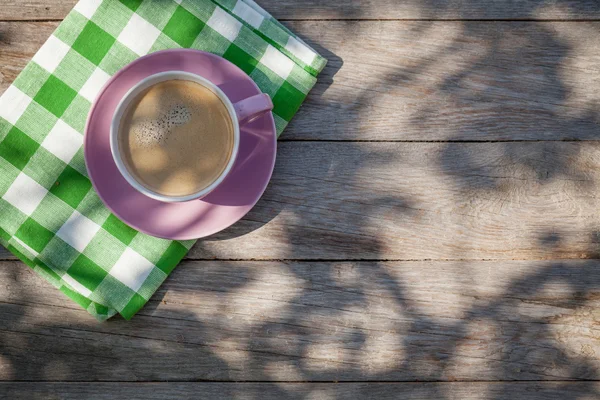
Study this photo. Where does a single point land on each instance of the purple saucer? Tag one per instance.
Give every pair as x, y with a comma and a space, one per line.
228, 203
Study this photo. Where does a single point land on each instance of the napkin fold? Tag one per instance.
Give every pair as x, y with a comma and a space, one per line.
50, 216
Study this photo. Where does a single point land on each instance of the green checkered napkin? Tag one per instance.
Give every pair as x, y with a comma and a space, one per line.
50, 216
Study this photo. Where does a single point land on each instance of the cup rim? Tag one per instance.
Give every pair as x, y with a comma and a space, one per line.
143, 85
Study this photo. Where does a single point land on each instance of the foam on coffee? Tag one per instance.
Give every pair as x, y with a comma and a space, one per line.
176, 137
156, 130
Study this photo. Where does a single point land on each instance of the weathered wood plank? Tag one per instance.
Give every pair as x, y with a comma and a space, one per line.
422, 201
364, 9
428, 80
452, 81
303, 321
343, 201
277, 391
18, 43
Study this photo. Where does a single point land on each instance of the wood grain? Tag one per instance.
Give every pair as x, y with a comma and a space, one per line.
422, 201
427, 81
364, 9
277, 391
452, 81
18, 43
291, 322
327, 200
307, 321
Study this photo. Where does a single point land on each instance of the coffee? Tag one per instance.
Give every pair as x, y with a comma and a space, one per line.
176, 138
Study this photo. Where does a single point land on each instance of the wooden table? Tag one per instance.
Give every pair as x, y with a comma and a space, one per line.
431, 231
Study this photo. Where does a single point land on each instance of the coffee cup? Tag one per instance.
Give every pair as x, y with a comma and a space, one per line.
239, 114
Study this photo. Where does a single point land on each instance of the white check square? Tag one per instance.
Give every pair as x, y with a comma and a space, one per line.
78, 231
139, 35
225, 24
25, 194
63, 141
277, 62
132, 269
51, 54
248, 14
87, 8
13, 104
300, 50
92, 86
76, 285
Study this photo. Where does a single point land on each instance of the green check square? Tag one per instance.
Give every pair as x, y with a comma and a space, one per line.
266, 80
239, 57
86, 272
74, 70
76, 114
52, 213
12, 218
120, 230
171, 257
131, 4
91, 206
273, 32
157, 16
113, 289
117, 57
44, 167
100, 309
112, 16
287, 101
9, 173
34, 235
93, 43
96, 250
55, 96
299, 79
133, 306
150, 247
183, 27
17, 148
71, 187
163, 42
58, 255
31, 79
71, 27
252, 44
36, 121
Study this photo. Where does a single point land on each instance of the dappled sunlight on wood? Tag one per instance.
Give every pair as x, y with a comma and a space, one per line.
432, 220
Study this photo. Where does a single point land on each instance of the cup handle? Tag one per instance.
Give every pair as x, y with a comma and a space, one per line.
249, 109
